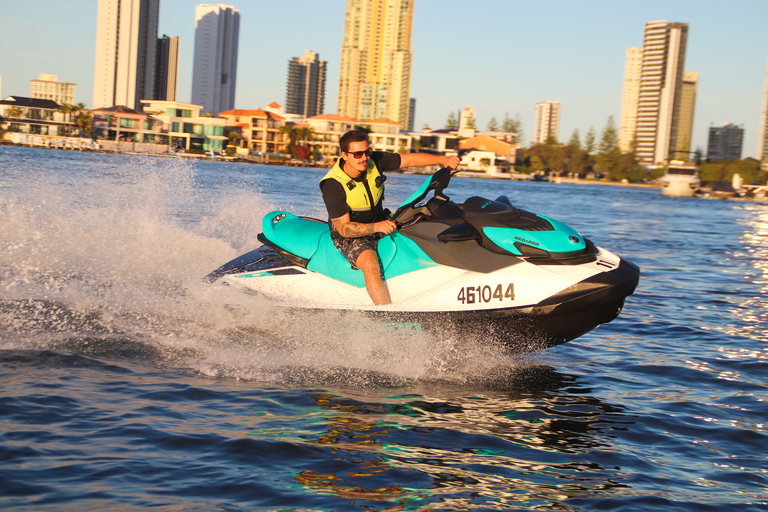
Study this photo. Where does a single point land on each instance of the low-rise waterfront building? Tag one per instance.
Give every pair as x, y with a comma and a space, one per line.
259, 129
383, 134
326, 130
35, 116
479, 161
439, 142
183, 122
502, 149
123, 124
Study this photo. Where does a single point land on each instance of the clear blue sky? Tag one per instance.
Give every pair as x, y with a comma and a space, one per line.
498, 56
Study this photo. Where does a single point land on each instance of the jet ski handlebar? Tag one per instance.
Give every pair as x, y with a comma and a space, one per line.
409, 213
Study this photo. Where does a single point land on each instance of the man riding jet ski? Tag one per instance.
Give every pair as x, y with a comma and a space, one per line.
479, 268
353, 192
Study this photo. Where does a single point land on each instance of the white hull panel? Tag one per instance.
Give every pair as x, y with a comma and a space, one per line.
432, 289
679, 185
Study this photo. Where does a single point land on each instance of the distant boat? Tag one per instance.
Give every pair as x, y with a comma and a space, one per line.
680, 180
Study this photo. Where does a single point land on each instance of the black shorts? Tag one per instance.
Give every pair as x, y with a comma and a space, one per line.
352, 248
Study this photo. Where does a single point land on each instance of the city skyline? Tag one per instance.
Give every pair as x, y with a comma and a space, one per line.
494, 62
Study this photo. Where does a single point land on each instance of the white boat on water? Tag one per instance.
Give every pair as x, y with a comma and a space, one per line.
680, 180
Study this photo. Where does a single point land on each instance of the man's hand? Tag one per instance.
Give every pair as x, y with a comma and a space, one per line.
451, 162
384, 226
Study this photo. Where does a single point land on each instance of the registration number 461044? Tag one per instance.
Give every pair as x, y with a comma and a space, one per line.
477, 294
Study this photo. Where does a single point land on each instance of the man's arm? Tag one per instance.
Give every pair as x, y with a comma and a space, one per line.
425, 159
345, 227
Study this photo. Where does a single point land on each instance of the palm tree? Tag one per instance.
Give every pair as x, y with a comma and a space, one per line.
84, 121
306, 133
11, 113
233, 136
66, 109
289, 130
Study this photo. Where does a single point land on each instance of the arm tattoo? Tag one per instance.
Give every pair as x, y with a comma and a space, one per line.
352, 229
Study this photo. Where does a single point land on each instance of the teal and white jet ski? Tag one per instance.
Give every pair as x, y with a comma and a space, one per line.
479, 268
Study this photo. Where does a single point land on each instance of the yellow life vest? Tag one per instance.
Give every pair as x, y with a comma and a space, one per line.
358, 199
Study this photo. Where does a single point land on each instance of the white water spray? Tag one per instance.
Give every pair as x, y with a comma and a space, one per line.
108, 247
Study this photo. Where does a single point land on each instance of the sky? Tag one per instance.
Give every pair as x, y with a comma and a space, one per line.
499, 56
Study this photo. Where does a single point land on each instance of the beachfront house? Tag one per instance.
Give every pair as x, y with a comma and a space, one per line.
259, 129
35, 116
119, 123
188, 129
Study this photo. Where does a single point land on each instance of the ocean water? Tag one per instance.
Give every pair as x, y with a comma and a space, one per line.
128, 384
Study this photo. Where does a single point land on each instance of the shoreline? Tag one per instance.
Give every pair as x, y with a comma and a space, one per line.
703, 192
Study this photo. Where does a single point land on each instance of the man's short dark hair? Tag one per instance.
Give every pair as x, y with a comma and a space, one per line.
350, 137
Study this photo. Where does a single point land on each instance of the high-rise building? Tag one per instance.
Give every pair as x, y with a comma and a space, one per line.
126, 34
659, 95
411, 114
48, 87
682, 149
305, 94
546, 123
629, 98
214, 74
725, 142
466, 122
166, 68
376, 56
762, 143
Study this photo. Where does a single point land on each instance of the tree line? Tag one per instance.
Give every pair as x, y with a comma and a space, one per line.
598, 158
602, 158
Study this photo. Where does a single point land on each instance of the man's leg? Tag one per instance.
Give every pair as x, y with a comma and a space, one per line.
368, 262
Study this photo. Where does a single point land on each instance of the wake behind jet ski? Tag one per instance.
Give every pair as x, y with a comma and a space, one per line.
481, 268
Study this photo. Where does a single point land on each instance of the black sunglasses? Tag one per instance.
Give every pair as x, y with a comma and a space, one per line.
359, 154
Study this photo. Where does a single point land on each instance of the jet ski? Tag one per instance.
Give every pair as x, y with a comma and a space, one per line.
481, 268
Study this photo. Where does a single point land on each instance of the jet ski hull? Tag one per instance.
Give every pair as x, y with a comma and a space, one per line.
551, 321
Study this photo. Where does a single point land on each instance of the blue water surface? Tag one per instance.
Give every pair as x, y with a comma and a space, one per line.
128, 384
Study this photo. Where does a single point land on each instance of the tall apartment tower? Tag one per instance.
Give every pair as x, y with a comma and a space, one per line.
48, 87
684, 121
305, 94
411, 114
629, 98
126, 34
166, 68
762, 142
376, 56
546, 124
725, 142
660, 92
214, 73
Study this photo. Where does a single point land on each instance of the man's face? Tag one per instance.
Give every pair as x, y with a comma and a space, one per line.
360, 148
